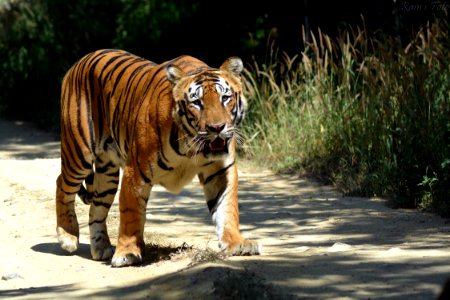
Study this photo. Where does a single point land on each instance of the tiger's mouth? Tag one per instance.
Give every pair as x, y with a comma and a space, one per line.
217, 146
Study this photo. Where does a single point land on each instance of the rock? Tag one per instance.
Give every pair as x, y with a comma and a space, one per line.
11, 276
339, 247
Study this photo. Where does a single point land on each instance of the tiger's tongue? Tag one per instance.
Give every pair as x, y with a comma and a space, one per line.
217, 145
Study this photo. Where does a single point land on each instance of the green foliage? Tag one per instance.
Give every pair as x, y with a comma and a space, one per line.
82, 26
36, 52
26, 37
363, 112
142, 25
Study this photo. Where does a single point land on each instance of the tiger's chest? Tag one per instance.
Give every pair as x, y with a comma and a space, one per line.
174, 180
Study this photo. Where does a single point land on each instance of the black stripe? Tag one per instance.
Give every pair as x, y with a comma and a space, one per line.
132, 82
105, 168
218, 173
75, 158
108, 63
69, 183
99, 160
90, 124
234, 112
97, 221
106, 51
183, 113
118, 104
146, 89
162, 165
72, 174
213, 203
66, 203
186, 130
98, 239
167, 90
68, 193
86, 165
80, 77
98, 203
114, 181
144, 198
106, 193
174, 142
145, 177
115, 174
67, 158
89, 179
79, 153
100, 113
84, 195
108, 141
129, 92
124, 99
240, 112
161, 154
120, 74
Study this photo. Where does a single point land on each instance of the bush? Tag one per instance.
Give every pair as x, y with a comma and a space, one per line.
26, 43
36, 53
363, 112
41, 39
143, 25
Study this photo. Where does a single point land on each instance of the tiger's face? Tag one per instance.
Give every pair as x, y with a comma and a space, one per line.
209, 107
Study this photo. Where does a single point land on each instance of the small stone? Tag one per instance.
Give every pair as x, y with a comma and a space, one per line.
302, 249
339, 247
11, 276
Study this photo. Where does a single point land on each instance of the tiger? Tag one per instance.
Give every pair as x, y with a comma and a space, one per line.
161, 124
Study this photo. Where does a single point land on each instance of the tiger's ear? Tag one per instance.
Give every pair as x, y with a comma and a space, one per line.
233, 65
174, 74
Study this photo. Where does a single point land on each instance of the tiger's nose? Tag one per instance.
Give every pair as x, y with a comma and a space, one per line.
215, 128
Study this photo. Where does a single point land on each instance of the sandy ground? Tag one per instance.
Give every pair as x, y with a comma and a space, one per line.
317, 244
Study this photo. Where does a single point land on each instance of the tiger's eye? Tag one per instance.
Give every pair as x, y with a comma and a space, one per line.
197, 102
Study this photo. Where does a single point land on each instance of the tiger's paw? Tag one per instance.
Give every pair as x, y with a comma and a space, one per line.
102, 251
244, 248
67, 241
127, 259
128, 255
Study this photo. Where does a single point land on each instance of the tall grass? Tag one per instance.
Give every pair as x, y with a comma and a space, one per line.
362, 111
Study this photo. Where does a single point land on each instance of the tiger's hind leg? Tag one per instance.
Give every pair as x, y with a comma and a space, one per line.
66, 219
103, 190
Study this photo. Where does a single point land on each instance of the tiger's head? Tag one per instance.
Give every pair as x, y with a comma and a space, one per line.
209, 106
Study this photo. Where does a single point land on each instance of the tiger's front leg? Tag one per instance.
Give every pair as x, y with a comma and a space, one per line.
221, 192
133, 199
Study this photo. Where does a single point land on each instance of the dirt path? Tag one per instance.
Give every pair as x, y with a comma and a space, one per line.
317, 244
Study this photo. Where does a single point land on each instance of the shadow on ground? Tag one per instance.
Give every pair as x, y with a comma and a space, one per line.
21, 140
335, 276
55, 249
384, 254
391, 254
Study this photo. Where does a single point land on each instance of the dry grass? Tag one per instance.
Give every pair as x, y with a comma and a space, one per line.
204, 255
362, 111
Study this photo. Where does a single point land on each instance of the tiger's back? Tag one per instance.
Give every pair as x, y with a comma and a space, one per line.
112, 88
120, 110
